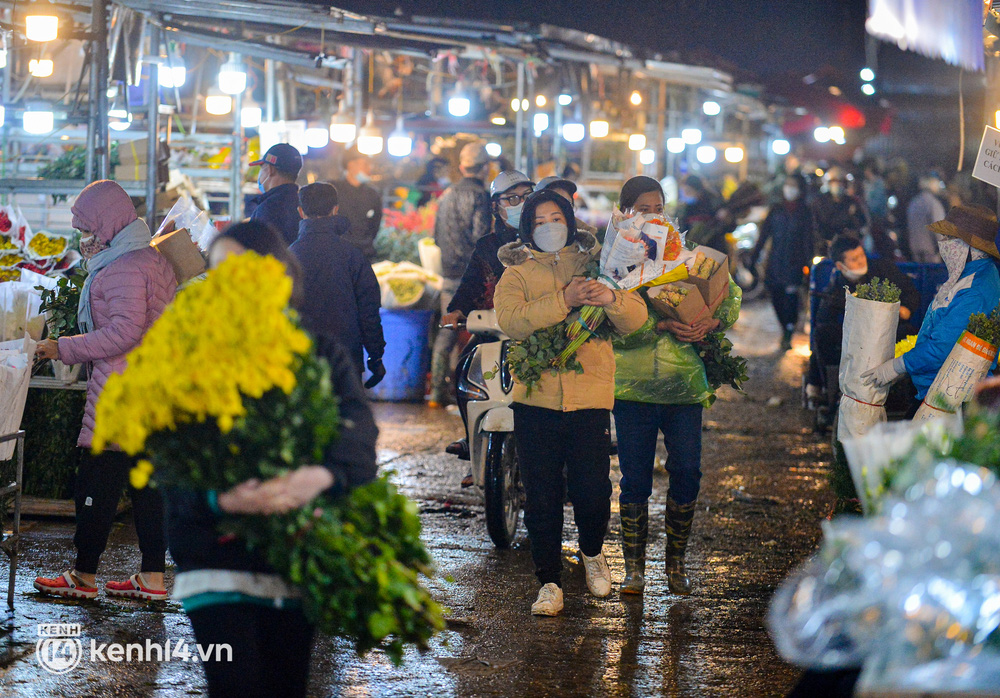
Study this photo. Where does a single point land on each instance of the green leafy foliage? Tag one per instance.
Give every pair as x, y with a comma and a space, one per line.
72, 164
529, 359
986, 327
722, 367
60, 305
881, 290
357, 559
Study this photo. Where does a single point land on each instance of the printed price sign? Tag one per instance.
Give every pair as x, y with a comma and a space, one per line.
987, 167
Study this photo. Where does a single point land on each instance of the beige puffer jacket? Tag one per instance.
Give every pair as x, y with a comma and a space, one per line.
530, 296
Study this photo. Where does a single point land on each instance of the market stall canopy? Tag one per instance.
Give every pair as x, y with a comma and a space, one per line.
948, 29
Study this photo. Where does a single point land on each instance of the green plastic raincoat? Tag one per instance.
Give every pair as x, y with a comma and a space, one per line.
655, 367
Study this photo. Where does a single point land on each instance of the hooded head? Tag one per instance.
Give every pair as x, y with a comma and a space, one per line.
531, 205
103, 209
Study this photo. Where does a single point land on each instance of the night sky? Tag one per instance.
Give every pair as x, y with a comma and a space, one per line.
764, 37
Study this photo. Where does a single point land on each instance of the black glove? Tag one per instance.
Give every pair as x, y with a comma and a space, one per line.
378, 373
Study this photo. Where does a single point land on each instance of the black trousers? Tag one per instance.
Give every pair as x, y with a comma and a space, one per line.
270, 650
549, 444
785, 300
100, 481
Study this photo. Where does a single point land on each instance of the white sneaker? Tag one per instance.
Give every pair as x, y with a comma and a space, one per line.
598, 574
549, 601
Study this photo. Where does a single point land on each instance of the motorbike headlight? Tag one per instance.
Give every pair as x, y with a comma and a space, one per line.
472, 384
506, 379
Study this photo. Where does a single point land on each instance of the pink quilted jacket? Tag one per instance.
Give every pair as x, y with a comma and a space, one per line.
126, 297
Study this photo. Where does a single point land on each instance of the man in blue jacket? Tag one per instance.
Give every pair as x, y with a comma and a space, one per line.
965, 239
278, 204
342, 297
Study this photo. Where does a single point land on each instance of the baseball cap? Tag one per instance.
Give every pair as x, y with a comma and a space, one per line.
473, 156
556, 182
283, 157
507, 180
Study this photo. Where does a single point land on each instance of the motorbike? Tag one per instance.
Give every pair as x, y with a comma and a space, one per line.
484, 385
742, 241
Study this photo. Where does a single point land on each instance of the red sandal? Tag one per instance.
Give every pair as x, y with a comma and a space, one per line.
133, 588
66, 585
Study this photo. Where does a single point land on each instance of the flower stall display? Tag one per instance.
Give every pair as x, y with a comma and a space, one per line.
870, 320
223, 390
42, 252
401, 232
406, 285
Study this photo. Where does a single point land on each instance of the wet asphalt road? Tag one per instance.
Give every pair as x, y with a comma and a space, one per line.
764, 493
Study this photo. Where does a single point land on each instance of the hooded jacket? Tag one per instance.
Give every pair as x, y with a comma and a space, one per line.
342, 297
463, 217
530, 296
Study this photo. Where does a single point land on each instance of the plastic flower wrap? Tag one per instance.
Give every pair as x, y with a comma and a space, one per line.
913, 595
225, 387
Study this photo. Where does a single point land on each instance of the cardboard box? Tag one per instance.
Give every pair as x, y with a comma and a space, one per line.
184, 256
714, 289
691, 309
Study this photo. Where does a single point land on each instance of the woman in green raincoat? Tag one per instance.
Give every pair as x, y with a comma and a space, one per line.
661, 386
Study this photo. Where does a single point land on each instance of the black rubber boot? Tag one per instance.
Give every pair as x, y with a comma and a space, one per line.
679, 518
635, 530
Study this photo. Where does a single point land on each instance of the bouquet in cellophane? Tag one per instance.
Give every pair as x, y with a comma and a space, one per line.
225, 387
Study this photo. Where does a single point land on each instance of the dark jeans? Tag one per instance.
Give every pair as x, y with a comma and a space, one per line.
638, 425
551, 442
271, 649
786, 305
100, 481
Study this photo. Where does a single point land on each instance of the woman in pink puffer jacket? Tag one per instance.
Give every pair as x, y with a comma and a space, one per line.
128, 285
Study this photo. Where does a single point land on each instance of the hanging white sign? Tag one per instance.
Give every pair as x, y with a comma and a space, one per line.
987, 166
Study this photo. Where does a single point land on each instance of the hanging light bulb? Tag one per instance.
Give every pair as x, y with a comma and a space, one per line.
119, 119
711, 108
599, 128
342, 126
781, 147
171, 76
498, 120
233, 76
540, 101
515, 104
565, 99
574, 133
635, 98
676, 145
219, 105
540, 122
636, 141
734, 154
2, 115
369, 137
706, 154
3, 50
493, 150
459, 105
251, 116
41, 67
317, 137
524, 104
41, 27
822, 134
399, 144
38, 119
691, 136
647, 156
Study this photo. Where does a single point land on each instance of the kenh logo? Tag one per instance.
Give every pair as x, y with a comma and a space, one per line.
58, 648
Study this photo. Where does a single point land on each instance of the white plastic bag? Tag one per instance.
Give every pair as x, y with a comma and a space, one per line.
184, 214
19, 311
869, 340
967, 364
15, 372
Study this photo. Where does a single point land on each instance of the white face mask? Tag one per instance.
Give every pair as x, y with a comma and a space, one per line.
791, 193
550, 237
853, 274
514, 215
362, 178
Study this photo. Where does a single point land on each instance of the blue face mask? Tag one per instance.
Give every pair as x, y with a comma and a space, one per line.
514, 215
260, 184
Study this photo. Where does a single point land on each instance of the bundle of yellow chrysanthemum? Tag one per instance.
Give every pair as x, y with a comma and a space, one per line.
208, 349
904, 345
224, 388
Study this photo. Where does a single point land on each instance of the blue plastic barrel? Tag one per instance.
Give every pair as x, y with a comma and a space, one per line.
407, 355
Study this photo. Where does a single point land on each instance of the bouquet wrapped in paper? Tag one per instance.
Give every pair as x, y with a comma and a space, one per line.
870, 320
225, 387
15, 371
968, 363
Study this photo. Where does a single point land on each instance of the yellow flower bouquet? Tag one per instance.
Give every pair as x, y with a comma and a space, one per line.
224, 389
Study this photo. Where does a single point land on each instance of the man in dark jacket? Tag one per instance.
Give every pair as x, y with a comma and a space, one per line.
342, 297
853, 267
836, 211
360, 203
278, 204
463, 217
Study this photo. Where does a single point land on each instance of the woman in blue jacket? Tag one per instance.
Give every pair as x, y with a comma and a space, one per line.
965, 239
